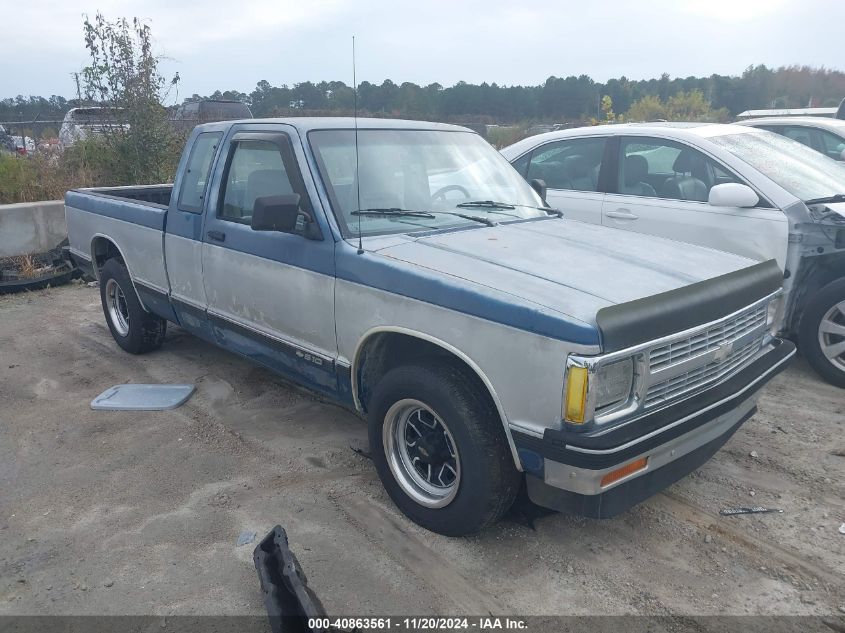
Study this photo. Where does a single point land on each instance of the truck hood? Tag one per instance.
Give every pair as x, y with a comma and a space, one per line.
569, 267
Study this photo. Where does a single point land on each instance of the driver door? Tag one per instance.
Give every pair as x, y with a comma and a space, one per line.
270, 294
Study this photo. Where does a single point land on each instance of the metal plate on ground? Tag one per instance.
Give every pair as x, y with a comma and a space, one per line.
142, 397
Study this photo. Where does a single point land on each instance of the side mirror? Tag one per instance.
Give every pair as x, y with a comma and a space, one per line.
276, 213
540, 187
733, 194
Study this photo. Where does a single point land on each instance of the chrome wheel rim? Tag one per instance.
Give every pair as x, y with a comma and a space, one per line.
421, 453
116, 305
832, 335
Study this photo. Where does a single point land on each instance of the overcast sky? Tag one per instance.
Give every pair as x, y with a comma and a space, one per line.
220, 44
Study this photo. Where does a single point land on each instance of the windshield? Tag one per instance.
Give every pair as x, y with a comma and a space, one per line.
803, 172
418, 170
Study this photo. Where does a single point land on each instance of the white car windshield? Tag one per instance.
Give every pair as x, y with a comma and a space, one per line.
411, 180
803, 172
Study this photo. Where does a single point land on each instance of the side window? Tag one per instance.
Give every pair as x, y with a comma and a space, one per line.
657, 168
257, 168
833, 145
801, 134
195, 179
570, 164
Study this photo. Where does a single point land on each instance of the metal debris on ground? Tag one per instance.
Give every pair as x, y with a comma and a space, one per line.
842, 529
752, 510
361, 451
246, 537
143, 397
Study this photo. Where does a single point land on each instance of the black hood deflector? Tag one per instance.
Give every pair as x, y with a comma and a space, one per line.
635, 322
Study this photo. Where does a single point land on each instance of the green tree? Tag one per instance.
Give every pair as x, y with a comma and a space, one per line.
681, 106
607, 109
649, 108
692, 106
123, 75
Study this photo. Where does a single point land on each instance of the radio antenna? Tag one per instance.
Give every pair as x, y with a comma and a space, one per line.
357, 175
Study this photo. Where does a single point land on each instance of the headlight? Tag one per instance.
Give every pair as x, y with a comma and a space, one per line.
590, 390
613, 383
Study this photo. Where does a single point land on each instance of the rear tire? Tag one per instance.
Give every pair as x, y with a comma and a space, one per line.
822, 332
133, 328
439, 449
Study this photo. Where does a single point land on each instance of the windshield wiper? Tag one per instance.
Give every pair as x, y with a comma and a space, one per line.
837, 197
485, 203
466, 216
490, 204
395, 212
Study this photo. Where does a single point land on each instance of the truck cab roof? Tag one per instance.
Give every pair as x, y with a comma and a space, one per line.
306, 124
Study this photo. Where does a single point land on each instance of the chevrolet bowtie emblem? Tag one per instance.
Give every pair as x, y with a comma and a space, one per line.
723, 351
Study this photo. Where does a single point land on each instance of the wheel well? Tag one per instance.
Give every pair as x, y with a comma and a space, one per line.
819, 272
384, 351
103, 249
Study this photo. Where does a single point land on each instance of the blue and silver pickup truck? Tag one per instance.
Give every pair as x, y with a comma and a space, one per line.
405, 270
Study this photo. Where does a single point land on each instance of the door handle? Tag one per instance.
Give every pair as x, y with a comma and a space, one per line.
622, 215
217, 236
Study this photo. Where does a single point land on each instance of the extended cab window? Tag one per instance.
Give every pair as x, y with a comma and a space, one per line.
571, 164
658, 168
194, 182
256, 168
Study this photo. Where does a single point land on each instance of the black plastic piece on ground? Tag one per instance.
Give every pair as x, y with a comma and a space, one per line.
287, 598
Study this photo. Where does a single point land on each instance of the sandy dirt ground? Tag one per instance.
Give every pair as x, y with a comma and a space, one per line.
139, 513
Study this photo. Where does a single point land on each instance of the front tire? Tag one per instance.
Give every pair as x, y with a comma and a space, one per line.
133, 328
439, 449
822, 332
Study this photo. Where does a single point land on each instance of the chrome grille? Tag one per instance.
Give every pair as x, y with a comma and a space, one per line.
714, 337
744, 331
667, 390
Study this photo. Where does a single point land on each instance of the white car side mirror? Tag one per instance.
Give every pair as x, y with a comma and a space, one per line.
733, 194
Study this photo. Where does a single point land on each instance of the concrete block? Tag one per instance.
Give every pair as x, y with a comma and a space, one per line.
31, 227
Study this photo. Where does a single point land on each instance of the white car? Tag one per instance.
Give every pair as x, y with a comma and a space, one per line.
82, 123
737, 189
822, 134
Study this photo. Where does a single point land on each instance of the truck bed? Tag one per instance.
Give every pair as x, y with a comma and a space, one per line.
158, 195
133, 218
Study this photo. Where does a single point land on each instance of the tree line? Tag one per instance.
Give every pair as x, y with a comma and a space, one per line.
572, 98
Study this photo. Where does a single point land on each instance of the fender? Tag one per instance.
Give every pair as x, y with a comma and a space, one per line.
452, 350
112, 241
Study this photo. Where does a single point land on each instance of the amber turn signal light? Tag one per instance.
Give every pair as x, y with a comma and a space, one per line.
627, 469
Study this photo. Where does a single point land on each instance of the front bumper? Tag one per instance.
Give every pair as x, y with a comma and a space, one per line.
564, 470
